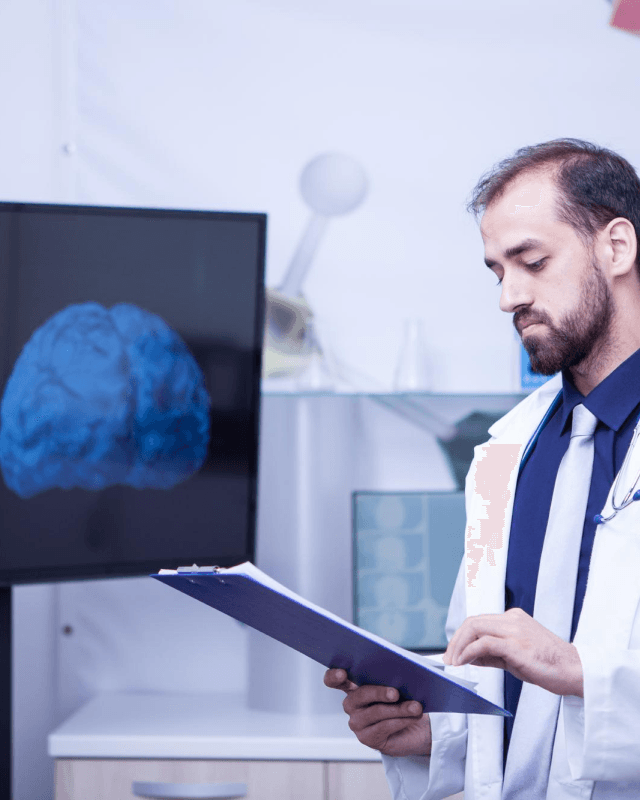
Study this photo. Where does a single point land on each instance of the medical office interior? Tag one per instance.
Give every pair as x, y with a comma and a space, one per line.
359, 129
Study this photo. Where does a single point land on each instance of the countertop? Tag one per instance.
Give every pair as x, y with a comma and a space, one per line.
213, 726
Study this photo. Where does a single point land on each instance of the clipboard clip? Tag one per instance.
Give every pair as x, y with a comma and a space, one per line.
194, 568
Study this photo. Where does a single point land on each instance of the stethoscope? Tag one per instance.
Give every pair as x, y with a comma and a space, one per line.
629, 497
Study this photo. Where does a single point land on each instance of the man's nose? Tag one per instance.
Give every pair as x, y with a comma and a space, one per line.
515, 293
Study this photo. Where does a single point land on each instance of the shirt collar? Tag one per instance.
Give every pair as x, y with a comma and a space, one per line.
612, 400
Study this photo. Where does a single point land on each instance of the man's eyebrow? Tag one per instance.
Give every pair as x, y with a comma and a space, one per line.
512, 252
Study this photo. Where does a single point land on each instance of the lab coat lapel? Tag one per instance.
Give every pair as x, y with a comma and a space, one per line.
492, 480
613, 589
491, 485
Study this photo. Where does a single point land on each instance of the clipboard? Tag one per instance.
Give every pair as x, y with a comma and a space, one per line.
250, 596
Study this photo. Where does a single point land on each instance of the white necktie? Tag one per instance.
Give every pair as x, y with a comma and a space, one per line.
529, 758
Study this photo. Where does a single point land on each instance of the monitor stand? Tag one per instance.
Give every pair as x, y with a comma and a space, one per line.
6, 749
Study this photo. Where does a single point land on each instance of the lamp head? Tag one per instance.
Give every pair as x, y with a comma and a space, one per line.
333, 184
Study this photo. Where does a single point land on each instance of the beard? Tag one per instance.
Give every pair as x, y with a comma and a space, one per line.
579, 334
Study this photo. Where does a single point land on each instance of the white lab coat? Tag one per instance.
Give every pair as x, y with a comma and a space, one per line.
597, 745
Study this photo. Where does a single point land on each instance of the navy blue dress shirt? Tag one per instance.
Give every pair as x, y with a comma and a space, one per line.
616, 404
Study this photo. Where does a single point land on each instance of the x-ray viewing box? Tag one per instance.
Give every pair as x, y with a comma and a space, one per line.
250, 596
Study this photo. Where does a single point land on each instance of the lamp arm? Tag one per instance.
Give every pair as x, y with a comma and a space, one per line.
303, 256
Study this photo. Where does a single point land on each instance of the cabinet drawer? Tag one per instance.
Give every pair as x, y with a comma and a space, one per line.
356, 781
360, 781
111, 779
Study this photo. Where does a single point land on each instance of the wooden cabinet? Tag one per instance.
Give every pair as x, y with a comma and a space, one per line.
112, 779
118, 739
347, 780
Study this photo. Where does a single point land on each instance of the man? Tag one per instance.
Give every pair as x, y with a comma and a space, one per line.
560, 226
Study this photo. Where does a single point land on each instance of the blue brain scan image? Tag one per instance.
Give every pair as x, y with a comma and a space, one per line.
100, 397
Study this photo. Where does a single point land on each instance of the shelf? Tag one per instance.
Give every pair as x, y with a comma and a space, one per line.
485, 396
435, 413
215, 726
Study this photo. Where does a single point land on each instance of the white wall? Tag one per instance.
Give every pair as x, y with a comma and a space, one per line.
221, 104
28, 171
203, 103
27, 83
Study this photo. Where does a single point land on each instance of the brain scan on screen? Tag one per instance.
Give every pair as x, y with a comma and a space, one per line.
99, 397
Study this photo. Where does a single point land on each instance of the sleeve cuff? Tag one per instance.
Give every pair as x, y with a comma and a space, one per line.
601, 730
436, 776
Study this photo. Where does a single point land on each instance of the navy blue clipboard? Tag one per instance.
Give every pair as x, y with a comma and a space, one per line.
327, 641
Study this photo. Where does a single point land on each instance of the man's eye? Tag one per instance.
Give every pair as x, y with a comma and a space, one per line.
536, 264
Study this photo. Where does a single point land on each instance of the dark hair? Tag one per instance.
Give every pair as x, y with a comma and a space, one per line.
595, 185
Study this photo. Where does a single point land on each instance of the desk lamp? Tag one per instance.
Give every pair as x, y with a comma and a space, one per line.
331, 185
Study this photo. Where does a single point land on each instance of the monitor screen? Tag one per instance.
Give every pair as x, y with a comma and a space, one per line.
130, 347
407, 549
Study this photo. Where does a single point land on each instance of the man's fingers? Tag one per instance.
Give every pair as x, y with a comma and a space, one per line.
377, 736
372, 715
369, 695
487, 647
497, 626
337, 679
465, 634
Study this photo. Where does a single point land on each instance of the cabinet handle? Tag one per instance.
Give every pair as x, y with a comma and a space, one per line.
189, 791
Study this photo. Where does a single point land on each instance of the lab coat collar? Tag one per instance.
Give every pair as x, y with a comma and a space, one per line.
517, 423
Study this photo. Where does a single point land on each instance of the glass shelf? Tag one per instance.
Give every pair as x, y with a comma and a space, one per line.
482, 396
435, 412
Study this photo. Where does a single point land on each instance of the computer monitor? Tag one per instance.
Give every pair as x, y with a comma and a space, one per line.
130, 354
407, 549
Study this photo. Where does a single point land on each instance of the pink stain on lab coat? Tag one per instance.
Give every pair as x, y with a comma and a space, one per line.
491, 478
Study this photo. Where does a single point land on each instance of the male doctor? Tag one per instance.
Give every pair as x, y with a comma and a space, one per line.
544, 613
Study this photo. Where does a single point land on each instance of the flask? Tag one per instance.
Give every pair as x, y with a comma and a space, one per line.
412, 369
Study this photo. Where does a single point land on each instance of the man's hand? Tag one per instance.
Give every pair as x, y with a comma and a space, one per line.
380, 721
516, 642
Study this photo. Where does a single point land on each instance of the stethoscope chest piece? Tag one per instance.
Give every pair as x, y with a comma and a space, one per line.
630, 497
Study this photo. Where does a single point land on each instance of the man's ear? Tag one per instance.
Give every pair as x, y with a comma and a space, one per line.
620, 246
